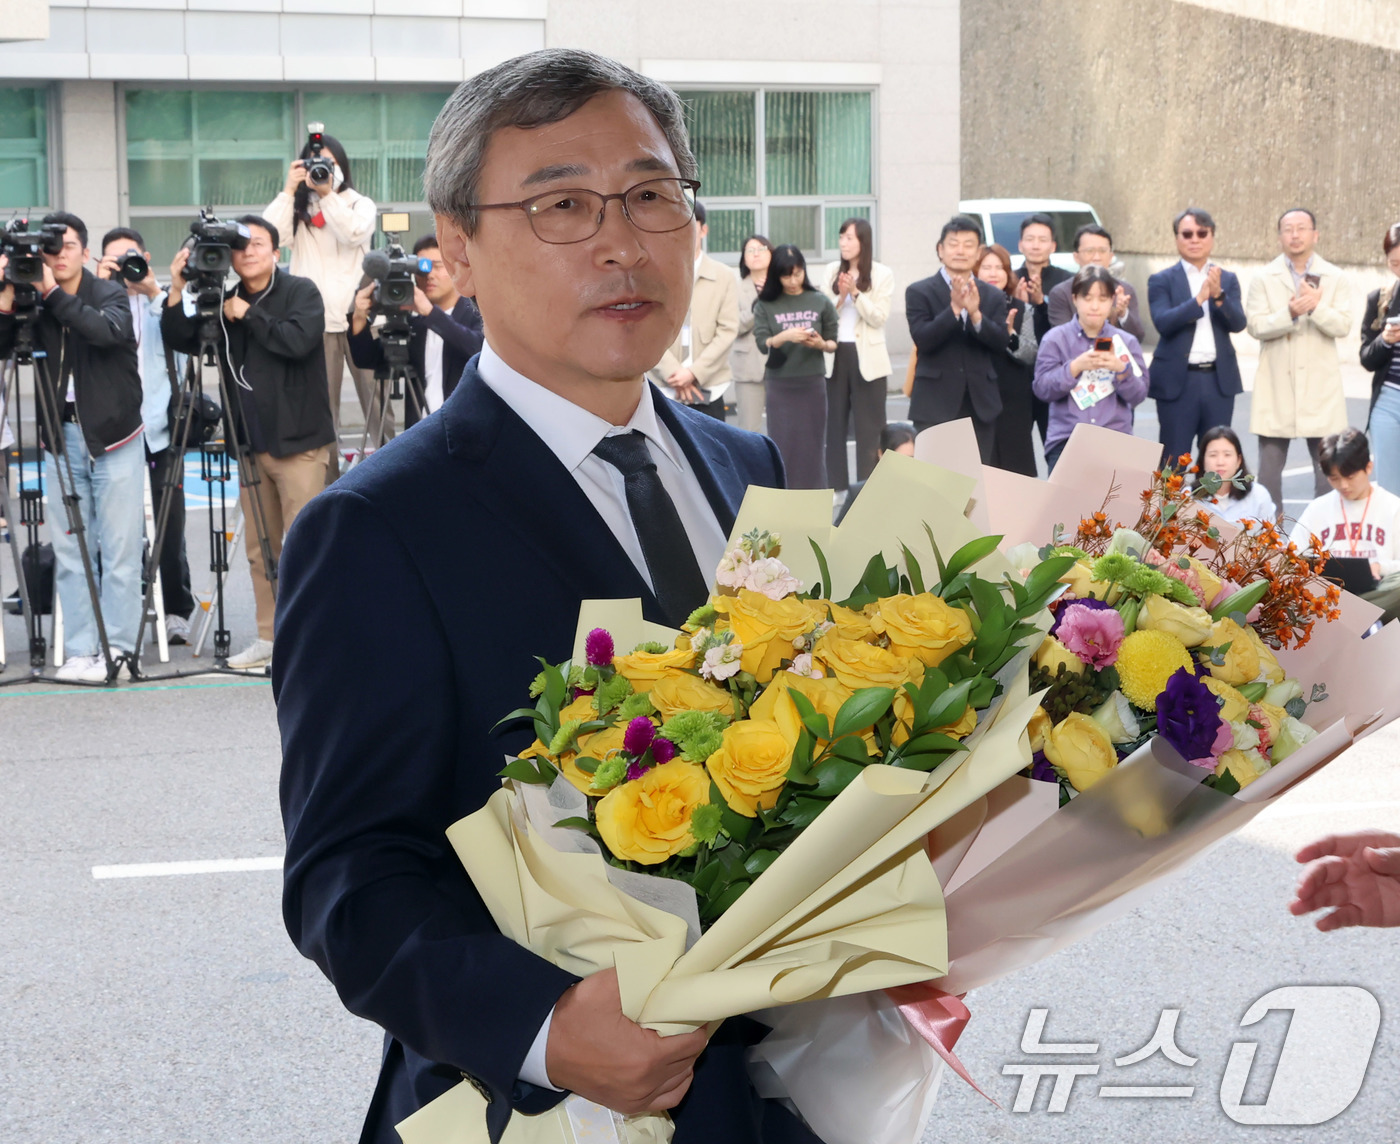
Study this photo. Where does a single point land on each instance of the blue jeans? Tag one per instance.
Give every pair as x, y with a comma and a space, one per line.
110, 499
1385, 438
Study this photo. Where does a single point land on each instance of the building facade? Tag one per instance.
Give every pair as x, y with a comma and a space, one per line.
140, 112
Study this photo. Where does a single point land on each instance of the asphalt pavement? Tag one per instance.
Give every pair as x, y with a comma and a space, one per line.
172, 1007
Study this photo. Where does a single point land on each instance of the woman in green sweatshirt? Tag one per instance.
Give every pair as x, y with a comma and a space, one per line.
795, 324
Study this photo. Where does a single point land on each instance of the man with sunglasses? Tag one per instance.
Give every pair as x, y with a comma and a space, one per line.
1195, 306
563, 187
444, 332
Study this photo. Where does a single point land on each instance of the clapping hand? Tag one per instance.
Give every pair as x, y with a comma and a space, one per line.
1356, 875
1021, 291
1034, 291
966, 297
1120, 305
1306, 300
1213, 281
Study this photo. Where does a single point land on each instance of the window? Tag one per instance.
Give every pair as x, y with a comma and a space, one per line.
1006, 227
24, 148
230, 150
792, 165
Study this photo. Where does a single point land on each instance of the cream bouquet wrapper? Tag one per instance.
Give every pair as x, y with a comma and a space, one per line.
852, 906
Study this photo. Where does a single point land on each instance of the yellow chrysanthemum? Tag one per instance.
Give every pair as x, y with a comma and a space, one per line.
1146, 661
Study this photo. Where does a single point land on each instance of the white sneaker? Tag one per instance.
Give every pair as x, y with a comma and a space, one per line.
256, 654
83, 669
177, 629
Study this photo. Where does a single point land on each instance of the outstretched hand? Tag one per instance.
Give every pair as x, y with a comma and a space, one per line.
1355, 875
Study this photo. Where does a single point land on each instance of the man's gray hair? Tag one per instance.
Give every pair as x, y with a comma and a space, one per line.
531, 91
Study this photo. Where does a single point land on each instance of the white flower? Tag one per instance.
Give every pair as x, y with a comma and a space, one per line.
1292, 734
1115, 715
802, 665
1246, 737
733, 570
1023, 557
771, 577
1280, 694
1125, 540
722, 661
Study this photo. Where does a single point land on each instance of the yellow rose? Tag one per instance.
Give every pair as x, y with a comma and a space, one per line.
1210, 582
1052, 653
1190, 625
850, 624
581, 708
1236, 706
673, 694
648, 819
858, 664
1082, 749
751, 765
1082, 585
1268, 662
776, 705
643, 668
922, 626
1246, 766
1241, 661
766, 628
1038, 728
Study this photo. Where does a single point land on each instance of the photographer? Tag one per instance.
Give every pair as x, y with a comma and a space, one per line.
275, 369
329, 226
444, 331
126, 260
93, 382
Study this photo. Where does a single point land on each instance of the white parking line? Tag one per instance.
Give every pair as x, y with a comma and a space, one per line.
200, 866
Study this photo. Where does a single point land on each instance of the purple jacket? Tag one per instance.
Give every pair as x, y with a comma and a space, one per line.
1053, 382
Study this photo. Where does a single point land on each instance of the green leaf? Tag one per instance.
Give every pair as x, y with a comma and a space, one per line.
931, 741
732, 822
923, 761
803, 811
576, 823
1226, 783
852, 748
1253, 691
522, 771
717, 907
815, 723
822, 566
1319, 692
554, 684
759, 861
1044, 579
834, 776
916, 574
949, 706
588, 765
800, 768
938, 556
986, 598
860, 710
1296, 707
971, 552
516, 715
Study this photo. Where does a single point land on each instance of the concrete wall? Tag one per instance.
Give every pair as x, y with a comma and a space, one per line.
906, 49
1145, 106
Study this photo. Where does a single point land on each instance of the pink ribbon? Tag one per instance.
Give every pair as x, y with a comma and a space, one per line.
939, 1018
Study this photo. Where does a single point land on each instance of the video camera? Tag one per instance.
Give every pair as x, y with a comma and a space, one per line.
25, 248
319, 169
392, 269
211, 245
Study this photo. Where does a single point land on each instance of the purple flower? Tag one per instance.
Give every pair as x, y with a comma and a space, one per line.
1091, 604
598, 647
638, 736
635, 771
662, 750
1042, 770
1188, 717
1093, 634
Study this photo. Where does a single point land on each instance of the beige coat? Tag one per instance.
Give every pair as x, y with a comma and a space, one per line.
714, 324
1298, 389
747, 363
872, 312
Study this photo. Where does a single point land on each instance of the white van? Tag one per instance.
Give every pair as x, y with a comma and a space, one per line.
1001, 223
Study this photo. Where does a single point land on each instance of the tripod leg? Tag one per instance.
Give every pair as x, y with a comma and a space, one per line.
152, 595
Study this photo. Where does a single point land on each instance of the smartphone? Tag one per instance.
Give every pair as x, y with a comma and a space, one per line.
1103, 345
1313, 280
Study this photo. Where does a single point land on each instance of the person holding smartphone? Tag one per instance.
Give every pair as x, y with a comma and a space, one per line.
1088, 371
1380, 332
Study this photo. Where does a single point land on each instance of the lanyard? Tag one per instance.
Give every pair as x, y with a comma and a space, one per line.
1350, 538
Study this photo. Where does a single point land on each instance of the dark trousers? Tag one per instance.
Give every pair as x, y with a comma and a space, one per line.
714, 408
1273, 452
1200, 408
174, 566
985, 430
849, 396
1052, 455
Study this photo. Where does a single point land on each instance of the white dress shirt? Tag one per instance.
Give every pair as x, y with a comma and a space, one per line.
1203, 340
432, 371
571, 432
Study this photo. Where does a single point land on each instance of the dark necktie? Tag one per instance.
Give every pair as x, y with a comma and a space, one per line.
675, 575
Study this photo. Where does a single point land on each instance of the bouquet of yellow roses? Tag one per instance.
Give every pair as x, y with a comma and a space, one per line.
735, 815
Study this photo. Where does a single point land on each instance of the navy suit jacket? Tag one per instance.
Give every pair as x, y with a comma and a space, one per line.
1175, 312
415, 593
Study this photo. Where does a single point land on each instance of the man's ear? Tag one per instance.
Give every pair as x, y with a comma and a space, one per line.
452, 243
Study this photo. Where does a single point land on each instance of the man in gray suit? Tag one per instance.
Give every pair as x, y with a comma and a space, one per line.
1093, 246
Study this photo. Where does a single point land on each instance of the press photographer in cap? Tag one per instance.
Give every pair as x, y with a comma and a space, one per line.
90, 372
126, 261
274, 366
444, 331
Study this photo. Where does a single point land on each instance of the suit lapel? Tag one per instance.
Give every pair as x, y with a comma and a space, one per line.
1180, 280
710, 461
514, 472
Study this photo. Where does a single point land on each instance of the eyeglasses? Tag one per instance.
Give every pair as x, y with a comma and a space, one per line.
656, 206
1190, 234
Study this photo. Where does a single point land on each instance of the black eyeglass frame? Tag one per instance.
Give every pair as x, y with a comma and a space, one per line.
692, 185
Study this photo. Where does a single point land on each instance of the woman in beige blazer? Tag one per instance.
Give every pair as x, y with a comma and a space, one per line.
745, 361
858, 372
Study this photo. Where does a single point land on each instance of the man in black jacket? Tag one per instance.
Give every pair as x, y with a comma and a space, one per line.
274, 367
444, 332
958, 323
93, 382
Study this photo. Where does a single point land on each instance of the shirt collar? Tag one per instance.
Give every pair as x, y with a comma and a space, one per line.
569, 430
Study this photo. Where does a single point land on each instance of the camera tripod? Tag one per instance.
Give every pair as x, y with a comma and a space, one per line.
394, 378
49, 424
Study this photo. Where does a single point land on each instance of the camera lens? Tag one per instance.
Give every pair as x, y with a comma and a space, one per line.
132, 266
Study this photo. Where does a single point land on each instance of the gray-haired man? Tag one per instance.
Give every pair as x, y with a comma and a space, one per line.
563, 187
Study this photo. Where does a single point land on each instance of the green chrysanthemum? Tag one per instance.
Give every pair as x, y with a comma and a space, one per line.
703, 617
654, 647
638, 703
564, 737
610, 772
697, 734
610, 693
705, 822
